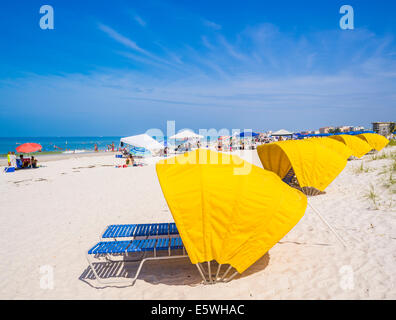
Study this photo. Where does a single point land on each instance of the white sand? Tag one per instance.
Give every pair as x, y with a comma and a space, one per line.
50, 216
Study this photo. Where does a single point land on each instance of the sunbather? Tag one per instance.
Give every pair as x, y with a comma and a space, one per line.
33, 162
130, 161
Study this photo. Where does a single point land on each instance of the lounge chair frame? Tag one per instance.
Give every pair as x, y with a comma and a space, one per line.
142, 261
207, 276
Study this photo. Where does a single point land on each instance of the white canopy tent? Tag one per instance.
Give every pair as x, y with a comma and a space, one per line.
282, 133
186, 134
143, 141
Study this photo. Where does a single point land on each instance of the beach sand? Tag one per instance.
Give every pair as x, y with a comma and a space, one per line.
52, 215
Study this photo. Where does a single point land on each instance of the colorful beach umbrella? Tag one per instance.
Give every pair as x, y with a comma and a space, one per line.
227, 209
29, 147
376, 141
357, 145
314, 164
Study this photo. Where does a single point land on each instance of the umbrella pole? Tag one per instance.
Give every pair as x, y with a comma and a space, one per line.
327, 224
224, 275
232, 276
210, 272
201, 273
218, 271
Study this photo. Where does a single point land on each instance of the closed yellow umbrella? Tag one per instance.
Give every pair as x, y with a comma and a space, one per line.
376, 141
313, 164
227, 209
357, 145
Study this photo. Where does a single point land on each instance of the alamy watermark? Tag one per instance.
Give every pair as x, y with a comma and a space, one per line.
241, 167
47, 20
347, 20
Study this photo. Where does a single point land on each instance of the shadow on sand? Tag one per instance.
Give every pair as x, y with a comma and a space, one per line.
170, 272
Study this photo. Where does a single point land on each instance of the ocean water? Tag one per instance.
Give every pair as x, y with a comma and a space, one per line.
59, 143
79, 144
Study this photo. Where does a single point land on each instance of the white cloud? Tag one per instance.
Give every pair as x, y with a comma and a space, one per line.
211, 24
131, 44
262, 79
139, 20
121, 39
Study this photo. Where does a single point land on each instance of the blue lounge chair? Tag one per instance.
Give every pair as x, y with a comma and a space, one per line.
289, 176
139, 230
309, 191
148, 239
145, 239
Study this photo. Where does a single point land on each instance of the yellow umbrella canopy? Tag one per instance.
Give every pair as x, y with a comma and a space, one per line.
376, 141
357, 145
313, 164
227, 209
334, 145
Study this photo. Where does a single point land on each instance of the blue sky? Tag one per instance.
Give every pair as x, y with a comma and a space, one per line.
122, 67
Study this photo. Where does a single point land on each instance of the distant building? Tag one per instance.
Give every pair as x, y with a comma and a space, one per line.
345, 128
358, 128
384, 128
326, 129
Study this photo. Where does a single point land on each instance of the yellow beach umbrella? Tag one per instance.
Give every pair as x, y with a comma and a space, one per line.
357, 145
227, 209
334, 145
313, 164
376, 141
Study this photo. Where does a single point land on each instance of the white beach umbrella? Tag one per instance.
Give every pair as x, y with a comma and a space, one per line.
186, 134
143, 141
282, 132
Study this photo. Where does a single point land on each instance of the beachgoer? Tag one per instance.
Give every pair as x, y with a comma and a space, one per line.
24, 163
13, 159
112, 146
33, 162
9, 158
129, 160
96, 147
